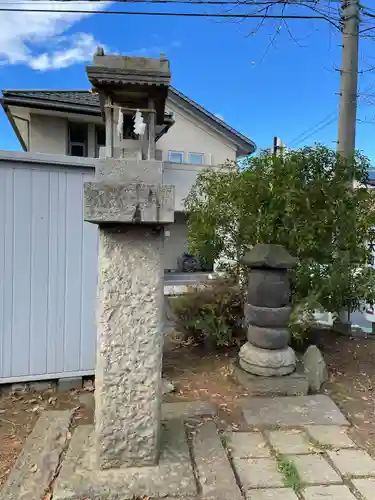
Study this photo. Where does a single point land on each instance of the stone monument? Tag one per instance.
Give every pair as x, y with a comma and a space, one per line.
122, 456
266, 356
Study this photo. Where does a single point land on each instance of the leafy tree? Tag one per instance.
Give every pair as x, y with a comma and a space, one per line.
303, 199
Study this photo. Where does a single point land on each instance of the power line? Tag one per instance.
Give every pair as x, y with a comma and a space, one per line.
314, 129
324, 123
169, 14
369, 14
191, 2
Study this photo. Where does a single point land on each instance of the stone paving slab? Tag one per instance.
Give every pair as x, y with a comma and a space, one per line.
186, 410
366, 488
247, 445
330, 435
38, 461
353, 462
294, 384
289, 442
314, 469
292, 411
258, 473
332, 492
215, 473
173, 477
272, 494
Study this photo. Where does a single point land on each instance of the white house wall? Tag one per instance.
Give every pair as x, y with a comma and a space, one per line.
190, 135
21, 118
48, 262
183, 177
48, 134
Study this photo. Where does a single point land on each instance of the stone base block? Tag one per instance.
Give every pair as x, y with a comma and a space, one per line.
173, 477
267, 317
294, 384
342, 327
268, 338
268, 363
37, 464
69, 384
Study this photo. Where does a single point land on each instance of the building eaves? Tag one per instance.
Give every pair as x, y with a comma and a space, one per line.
87, 102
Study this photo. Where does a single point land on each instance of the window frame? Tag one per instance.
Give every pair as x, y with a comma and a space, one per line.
97, 145
197, 154
176, 152
78, 143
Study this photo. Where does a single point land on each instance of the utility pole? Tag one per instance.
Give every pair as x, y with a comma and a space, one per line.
349, 78
348, 96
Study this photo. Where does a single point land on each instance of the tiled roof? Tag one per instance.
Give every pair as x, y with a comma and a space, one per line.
87, 100
76, 97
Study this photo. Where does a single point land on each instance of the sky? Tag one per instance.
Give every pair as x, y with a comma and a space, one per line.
281, 80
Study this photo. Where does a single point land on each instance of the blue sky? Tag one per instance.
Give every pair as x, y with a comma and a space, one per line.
262, 87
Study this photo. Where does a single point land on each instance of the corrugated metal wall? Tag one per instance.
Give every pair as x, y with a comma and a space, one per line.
48, 262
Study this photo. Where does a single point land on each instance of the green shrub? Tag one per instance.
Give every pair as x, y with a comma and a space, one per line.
211, 312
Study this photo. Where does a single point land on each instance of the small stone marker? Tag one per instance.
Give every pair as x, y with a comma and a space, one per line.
315, 368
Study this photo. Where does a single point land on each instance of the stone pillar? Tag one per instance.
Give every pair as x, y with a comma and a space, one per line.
267, 312
108, 127
151, 130
131, 215
129, 350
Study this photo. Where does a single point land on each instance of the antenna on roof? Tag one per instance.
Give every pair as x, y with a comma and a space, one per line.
99, 51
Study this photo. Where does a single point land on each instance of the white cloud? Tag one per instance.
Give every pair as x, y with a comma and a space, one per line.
218, 115
25, 36
38, 39
82, 46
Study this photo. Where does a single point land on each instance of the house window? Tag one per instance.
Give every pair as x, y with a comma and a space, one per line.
176, 156
196, 158
99, 138
77, 142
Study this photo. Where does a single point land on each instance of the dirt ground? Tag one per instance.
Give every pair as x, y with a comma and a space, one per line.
198, 374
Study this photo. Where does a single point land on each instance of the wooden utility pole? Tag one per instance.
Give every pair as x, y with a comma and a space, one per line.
348, 93
349, 78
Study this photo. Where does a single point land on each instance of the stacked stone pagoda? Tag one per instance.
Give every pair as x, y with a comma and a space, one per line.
267, 313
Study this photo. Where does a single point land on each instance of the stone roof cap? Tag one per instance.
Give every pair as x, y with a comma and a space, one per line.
268, 255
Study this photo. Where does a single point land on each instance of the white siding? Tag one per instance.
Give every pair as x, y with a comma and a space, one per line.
48, 262
48, 134
175, 241
182, 177
21, 118
191, 135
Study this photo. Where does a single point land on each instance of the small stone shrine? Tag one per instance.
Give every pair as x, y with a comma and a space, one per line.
128, 454
266, 354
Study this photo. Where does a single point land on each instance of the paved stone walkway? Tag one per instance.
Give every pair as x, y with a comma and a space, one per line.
329, 464
300, 440
309, 434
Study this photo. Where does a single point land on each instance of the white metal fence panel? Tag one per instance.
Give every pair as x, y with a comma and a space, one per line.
48, 273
